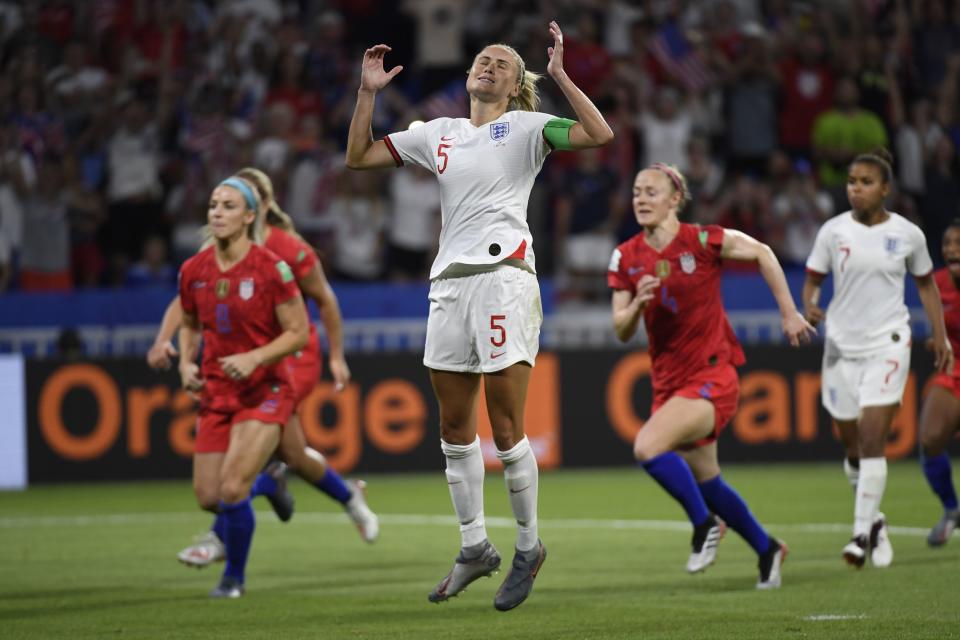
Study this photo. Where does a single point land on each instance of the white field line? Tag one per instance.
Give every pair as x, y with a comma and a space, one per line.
826, 617
415, 519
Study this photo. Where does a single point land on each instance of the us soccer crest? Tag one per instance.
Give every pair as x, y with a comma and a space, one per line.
499, 130
662, 268
223, 288
246, 288
688, 264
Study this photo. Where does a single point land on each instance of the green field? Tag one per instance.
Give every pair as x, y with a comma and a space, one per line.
98, 561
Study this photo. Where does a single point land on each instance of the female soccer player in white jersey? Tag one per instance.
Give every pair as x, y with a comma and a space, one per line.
866, 357
485, 311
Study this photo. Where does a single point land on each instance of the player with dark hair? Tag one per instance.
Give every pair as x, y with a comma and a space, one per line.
668, 275
866, 355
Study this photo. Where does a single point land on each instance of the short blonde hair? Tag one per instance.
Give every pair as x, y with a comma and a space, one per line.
255, 230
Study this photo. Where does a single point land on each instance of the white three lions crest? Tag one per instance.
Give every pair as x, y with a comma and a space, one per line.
499, 130
688, 264
246, 288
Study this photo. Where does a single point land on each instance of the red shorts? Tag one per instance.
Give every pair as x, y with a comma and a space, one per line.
213, 427
948, 382
305, 367
720, 385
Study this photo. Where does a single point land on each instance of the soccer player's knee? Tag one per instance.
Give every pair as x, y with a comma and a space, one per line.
207, 498
233, 489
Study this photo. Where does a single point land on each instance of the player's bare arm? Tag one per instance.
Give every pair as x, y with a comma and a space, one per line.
315, 285
362, 151
189, 338
739, 246
811, 298
628, 306
292, 316
162, 352
591, 130
930, 298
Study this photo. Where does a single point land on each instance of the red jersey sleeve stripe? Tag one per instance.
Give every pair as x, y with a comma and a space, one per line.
815, 272
393, 151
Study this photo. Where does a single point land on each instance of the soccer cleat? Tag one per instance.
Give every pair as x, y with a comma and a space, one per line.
881, 551
770, 563
281, 500
466, 571
942, 531
519, 581
368, 524
228, 588
855, 553
706, 539
205, 550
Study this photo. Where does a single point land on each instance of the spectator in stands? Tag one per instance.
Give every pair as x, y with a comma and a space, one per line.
807, 91
842, 133
414, 224
799, 210
589, 207
751, 90
153, 270
359, 213
45, 257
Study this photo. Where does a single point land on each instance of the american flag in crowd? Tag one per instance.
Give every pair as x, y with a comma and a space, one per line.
679, 59
449, 102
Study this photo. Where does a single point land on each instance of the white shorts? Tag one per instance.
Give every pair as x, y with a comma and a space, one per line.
850, 384
483, 322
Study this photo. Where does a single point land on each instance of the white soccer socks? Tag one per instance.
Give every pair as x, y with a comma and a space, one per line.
870, 488
465, 481
521, 475
853, 473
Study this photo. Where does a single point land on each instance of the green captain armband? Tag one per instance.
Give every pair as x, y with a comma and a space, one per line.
557, 133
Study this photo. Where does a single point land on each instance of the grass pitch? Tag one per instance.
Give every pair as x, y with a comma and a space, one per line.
98, 561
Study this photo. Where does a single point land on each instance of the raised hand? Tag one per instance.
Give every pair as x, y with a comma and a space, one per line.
372, 76
555, 53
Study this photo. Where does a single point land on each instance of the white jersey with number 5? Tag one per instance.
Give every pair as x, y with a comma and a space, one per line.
485, 174
869, 263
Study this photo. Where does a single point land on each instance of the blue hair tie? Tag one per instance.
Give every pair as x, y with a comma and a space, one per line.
243, 188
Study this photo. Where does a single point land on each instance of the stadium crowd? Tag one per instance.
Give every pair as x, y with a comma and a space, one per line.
118, 116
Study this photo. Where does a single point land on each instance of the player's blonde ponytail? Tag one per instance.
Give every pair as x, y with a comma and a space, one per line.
275, 216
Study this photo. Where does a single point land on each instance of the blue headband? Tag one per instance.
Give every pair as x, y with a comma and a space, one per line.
243, 188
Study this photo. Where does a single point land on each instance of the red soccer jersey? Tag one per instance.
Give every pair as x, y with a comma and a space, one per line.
236, 310
296, 253
686, 325
950, 298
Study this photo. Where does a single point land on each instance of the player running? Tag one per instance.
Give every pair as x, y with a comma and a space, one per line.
669, 275
305, 367
940, 416
245, 303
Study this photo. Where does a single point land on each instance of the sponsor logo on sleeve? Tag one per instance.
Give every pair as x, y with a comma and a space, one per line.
284, 269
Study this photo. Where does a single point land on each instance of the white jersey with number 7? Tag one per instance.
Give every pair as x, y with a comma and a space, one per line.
869, 264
